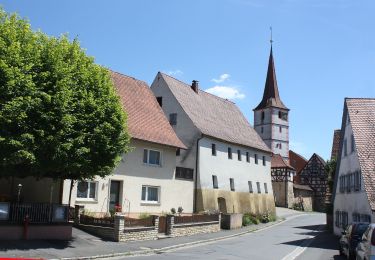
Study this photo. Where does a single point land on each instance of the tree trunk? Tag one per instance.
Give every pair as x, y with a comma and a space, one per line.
70, 192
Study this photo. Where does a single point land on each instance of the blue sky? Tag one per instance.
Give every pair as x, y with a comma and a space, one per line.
324, 50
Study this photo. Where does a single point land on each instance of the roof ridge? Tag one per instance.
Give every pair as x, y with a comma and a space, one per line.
124, 75
224, 99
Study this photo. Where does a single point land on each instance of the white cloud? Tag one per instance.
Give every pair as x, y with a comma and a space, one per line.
222, 78
227, 92
176, 72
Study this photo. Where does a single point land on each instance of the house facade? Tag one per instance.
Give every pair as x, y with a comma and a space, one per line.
314, 175
229, 161
145, 180
354, 195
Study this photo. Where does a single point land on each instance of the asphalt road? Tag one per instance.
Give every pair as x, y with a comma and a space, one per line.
302, 237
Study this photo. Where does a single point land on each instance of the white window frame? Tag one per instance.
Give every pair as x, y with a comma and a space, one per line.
146, 195
88, 191
148, 157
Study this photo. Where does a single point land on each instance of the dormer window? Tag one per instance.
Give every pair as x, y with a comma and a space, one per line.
173, 118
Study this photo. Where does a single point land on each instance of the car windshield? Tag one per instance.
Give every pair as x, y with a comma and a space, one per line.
360, 229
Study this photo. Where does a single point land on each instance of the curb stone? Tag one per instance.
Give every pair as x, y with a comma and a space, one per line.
168, 248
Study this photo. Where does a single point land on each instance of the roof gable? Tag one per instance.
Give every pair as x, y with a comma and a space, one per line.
146, 121
214, 116
361, 112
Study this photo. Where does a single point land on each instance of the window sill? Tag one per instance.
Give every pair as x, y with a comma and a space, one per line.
86, 200
152, 165
145, 203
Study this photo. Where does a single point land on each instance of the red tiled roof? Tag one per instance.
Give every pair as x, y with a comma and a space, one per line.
146, 121
271, 96
297, 161
278, 162
214, 116
362, 119
335, 144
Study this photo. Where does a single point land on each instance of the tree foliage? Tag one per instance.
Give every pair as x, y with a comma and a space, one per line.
331, 170
59, 114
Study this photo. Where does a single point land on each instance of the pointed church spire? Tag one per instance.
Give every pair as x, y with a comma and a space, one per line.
271, 96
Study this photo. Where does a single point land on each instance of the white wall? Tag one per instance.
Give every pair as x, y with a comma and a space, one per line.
354, 201
271, 130
133, 173
224, 168
185, 129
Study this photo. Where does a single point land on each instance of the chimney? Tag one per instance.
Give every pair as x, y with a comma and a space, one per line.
195, 86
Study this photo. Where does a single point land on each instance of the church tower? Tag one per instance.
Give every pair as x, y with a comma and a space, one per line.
271, 115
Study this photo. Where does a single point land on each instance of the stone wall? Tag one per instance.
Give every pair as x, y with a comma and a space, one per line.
188, 229
280, 190
123, 233
307, 203
103, 232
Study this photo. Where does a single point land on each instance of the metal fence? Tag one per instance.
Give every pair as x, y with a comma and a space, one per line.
196, 218
41, 213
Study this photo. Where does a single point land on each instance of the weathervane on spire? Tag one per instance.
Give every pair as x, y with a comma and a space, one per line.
271, 41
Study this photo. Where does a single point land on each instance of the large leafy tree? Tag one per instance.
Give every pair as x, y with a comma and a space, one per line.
59, 114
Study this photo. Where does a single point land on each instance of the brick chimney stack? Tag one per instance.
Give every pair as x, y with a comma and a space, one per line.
195, 86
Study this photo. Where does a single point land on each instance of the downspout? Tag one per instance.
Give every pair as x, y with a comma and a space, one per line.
196, 175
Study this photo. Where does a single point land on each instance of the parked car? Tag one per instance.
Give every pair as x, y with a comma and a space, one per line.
366, 248
350, 239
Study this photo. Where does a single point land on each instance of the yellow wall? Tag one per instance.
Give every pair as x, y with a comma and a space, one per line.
236, 202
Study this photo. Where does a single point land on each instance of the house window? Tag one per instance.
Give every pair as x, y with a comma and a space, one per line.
213, 149
231, 181
352, 143
256, 158
264, 160
356, 217
229, 153
357, 181
258, 187
151, 157
160, 101
214, 182
173, 119
184, 173
247, 157
345, 148
239, 156
178, 152
86, 189
250, 186
265, 188
150, 194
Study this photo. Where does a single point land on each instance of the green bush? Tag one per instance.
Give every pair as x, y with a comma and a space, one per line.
246, 220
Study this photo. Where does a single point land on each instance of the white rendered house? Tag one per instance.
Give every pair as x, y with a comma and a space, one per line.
145, 180
230, 162
354, 192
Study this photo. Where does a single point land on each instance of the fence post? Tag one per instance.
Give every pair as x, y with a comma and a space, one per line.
170, 223
156, 226
119, 227
77, 213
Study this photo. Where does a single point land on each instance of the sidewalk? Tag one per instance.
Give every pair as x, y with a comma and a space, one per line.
86, 246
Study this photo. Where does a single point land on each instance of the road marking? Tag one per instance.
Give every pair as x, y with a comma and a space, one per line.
302, 247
